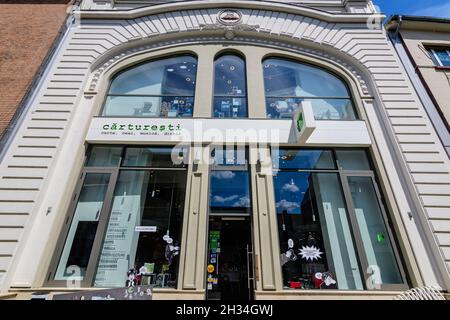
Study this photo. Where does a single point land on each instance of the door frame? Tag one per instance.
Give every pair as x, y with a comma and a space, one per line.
244, 217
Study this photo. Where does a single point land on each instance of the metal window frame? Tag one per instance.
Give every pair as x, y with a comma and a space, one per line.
344, 175
242, 168
103, 219
436, 57
244, 96
293, 60
175, 55
353, 224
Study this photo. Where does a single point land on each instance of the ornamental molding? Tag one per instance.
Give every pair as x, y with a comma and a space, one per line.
239, 40
229, 30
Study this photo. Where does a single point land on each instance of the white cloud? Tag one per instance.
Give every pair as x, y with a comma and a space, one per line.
225, 199
242, 202
290, 187
223, 174
287, 205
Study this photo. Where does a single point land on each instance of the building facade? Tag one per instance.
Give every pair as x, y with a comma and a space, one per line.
30, 29
424, 43
226, 149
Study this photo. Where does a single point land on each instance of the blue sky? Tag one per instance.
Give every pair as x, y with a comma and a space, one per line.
433, 8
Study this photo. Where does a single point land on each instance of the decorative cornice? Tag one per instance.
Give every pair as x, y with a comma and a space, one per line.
205, 4
229, 30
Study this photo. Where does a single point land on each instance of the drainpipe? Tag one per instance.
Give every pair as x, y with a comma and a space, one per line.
37, 82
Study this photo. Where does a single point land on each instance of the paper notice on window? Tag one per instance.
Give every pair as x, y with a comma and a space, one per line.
145, 229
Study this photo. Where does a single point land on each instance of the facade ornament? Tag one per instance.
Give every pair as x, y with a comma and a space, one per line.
229, 21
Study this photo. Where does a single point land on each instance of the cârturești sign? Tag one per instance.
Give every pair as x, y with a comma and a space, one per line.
244, 131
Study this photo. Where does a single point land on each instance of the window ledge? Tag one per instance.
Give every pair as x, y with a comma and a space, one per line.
326, 294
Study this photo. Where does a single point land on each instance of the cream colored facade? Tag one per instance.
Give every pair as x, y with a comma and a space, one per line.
42, 166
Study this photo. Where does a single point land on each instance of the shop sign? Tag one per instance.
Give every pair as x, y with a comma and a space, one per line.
304, 122
129, 293
302, 129
145, 228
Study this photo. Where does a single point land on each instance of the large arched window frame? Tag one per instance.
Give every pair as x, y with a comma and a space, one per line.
289, 83
230, 86
157, 88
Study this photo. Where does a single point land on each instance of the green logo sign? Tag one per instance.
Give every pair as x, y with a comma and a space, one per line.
300, 122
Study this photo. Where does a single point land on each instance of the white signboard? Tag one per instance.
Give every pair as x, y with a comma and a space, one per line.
241, 131
145, 228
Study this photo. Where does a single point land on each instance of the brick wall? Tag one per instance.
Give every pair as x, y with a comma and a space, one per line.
28, 29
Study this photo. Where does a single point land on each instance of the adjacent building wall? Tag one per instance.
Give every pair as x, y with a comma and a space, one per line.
28, 30
436, 79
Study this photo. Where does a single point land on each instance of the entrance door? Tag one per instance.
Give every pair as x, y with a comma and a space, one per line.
229, 270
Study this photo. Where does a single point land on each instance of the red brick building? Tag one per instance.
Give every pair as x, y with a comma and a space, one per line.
29, 29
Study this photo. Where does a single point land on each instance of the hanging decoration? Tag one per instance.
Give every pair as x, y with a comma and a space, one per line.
289, 255
310, 253
172, 249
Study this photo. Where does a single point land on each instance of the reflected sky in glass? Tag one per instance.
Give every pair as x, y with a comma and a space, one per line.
229, 191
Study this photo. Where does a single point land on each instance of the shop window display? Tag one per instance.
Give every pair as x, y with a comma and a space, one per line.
143, 234
160, 88
230, 92
322, 210
288, 84
126, 225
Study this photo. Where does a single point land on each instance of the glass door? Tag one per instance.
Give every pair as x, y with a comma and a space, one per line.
373, 235
83, 229
229, 262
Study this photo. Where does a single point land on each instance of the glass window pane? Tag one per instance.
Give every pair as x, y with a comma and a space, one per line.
144, 230
302, 159
353, 159
141, 106
162, 157
230, 91
289, 78
316, 245
168, 76
229, 192
100, 156
377, 245
78, 245
229, 76
225, 107
323, 109
444, 57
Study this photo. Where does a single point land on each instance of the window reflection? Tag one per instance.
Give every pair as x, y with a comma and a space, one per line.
303, 159
161, 88
230, 93
75, 256
144, 230
288, 84
316, 245
229, 192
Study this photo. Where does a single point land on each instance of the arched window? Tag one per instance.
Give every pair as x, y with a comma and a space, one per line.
160, 88
288, 84
230, 92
